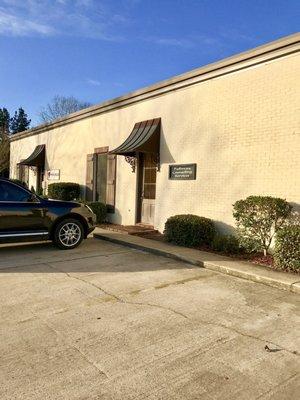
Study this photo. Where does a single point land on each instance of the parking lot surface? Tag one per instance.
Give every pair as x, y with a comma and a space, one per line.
107, 322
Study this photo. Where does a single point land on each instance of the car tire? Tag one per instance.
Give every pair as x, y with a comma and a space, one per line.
68, 234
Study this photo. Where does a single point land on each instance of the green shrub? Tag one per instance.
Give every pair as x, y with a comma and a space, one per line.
287, 248
258, 219
189, 230
64, 191
40, 191
228, 244
99, 209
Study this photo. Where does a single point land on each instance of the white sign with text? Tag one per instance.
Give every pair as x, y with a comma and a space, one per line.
53, 175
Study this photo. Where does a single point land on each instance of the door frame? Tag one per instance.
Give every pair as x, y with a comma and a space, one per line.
139, 187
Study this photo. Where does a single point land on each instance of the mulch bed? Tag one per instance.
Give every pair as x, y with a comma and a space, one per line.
260, 259
257, 258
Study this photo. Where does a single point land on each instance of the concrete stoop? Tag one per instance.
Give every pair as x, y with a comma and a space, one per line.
138, 229
211, 261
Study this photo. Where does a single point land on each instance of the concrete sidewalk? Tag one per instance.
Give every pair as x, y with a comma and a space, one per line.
211, 261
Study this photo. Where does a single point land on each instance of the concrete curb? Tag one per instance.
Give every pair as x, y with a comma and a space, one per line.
222, 264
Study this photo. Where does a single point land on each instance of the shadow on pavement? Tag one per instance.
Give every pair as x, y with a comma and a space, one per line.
91, 256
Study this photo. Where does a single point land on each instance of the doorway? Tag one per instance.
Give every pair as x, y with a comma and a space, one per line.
146, 188
39, 180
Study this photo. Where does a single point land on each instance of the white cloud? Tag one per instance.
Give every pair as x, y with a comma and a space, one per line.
172, 42
233, 34
93, 82
83, 3
17, 26
82, 18
184, 42
118, 84
205, 42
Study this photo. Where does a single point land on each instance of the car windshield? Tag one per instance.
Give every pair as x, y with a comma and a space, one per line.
11, 192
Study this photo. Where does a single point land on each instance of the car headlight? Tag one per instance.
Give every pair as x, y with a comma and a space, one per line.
89, 208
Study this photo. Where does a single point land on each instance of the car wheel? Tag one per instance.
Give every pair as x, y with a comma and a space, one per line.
68, 234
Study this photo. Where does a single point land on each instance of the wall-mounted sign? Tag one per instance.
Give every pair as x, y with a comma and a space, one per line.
53, 175
182, 172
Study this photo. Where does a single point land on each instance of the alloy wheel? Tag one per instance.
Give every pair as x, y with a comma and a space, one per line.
69, 234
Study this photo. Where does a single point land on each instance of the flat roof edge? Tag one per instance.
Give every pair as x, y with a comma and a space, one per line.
281, 47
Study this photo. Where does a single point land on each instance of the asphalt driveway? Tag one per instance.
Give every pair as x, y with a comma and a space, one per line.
107, 322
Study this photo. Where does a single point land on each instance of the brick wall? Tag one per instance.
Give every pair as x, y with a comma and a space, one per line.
242, 130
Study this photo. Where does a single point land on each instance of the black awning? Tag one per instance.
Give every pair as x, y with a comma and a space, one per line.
37, 158
144, 138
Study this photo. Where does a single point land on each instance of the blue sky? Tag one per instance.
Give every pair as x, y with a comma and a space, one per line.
100, 49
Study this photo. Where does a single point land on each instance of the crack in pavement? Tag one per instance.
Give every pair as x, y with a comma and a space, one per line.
95, 256
117, 298
205, 322
231, 329
3, 268
276, 386
180, 354
59, 335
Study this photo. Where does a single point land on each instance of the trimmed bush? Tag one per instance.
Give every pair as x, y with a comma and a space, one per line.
189, 230
287, 248
40, 191
258, 218
228, 244
99, 209
64, 191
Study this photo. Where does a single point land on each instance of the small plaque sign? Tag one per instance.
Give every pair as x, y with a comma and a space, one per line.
53, 175
182, 172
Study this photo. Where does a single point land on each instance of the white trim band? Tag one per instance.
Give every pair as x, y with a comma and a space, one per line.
23, 234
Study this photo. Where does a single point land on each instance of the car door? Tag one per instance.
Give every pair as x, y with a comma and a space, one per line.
20, 211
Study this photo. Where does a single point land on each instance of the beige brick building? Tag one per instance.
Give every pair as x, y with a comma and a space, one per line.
236, 121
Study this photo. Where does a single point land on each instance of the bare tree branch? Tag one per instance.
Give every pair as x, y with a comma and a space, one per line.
61, 106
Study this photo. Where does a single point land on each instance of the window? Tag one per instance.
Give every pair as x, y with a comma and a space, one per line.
101, 178
10, 192
23, 173
149, 177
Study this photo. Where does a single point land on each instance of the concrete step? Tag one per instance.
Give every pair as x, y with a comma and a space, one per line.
136, 230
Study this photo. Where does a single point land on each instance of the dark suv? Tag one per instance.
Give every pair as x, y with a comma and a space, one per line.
25, 217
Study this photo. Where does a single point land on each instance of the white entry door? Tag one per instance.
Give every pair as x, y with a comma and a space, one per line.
148, 188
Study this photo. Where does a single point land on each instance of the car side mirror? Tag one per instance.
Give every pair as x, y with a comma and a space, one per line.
33, 199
